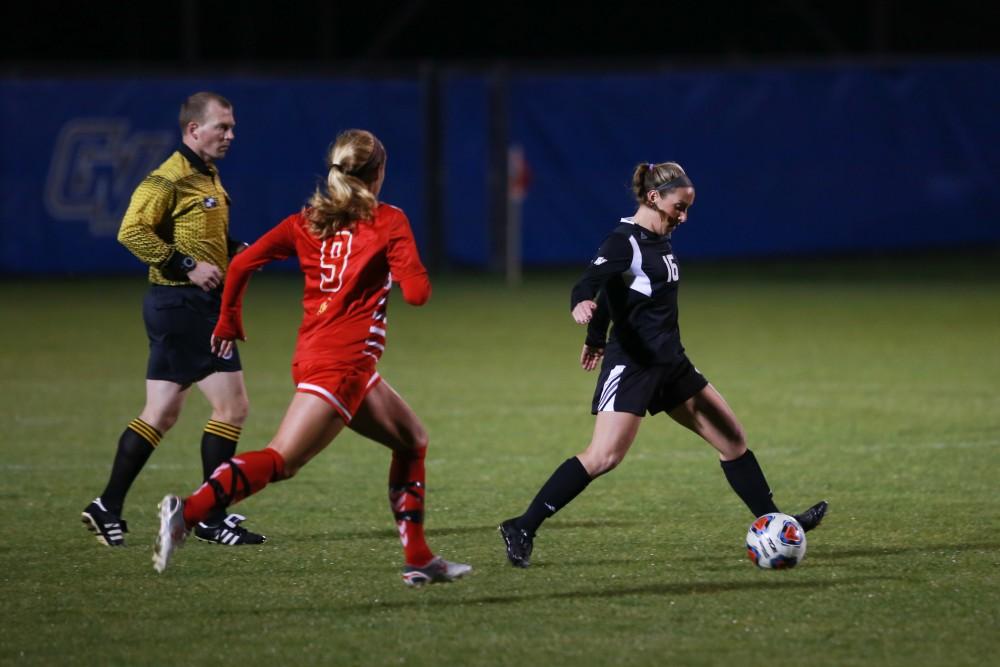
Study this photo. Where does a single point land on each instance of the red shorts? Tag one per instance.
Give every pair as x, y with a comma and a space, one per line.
343, 388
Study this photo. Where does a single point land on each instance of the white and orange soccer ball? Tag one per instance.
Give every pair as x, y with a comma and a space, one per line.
776, 541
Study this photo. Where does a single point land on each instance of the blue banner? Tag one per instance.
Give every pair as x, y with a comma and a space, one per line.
786, 160
73, 151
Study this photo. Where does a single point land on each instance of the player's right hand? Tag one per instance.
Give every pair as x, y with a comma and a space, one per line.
583, 311
222, 347
590, 357
206, 276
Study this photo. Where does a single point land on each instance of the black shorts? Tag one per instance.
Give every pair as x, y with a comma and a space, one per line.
625, 386
179, 323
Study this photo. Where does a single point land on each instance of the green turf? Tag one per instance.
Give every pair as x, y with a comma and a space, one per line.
875, 384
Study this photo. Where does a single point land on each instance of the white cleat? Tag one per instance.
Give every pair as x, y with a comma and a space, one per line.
172, 534
438, 571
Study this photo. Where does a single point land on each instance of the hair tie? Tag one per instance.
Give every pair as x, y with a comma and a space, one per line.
337, 167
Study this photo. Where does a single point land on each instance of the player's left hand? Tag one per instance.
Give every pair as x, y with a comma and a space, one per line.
222, 347
591, 357
584, 311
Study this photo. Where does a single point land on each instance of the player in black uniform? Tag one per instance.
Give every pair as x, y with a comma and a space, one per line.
632, 282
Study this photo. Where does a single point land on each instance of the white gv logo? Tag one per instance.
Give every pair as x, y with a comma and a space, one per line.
95, 166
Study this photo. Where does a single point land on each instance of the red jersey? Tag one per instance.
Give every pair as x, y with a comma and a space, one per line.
348, 276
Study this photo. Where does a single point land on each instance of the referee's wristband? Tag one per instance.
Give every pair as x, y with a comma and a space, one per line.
177, 266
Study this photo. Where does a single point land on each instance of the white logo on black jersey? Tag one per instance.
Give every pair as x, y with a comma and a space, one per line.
599, 261
673, 273
610, 390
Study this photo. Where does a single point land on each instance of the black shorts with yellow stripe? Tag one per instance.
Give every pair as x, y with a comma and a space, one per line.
625, 386
179, 323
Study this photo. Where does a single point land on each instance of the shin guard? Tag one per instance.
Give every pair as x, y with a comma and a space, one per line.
234, 480
406, 498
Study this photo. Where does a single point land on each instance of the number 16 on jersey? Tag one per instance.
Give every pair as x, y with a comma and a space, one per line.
672, 270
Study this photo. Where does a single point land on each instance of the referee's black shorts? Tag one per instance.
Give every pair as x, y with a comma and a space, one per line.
179, 324
625, 386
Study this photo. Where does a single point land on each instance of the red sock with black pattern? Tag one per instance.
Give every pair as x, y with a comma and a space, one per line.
406, 498
239, 477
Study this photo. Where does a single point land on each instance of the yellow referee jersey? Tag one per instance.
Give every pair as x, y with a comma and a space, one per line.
180, 206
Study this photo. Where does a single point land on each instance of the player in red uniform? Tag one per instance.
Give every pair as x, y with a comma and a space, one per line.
351, 249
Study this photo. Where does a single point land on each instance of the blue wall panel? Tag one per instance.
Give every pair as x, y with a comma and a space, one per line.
466, 156
72, 152
786, 160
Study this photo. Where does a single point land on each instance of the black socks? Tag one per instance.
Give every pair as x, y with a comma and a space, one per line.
747, 479
135, 445
564, 485
570, 478
218, 444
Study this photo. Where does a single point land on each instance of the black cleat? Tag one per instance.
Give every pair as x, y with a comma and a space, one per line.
519, 543
812, 516
108, 527
228, 532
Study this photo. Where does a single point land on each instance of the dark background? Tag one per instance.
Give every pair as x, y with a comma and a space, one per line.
192, 33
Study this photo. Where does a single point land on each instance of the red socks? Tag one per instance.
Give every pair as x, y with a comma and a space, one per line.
243, 475
249, 472
406, 498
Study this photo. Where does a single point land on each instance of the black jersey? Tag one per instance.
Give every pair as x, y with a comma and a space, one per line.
634, 279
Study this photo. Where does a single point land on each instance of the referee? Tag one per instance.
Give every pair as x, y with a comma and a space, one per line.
178, 223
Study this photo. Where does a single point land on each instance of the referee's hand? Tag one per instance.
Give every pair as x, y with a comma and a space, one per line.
206, 276
583, 311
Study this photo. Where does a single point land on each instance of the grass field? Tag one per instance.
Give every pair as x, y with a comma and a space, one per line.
873, 383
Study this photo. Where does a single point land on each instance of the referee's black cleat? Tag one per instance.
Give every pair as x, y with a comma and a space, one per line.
228, 531
107, 527
519, 543
812, 516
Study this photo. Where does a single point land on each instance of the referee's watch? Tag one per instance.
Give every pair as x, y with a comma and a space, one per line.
177, 266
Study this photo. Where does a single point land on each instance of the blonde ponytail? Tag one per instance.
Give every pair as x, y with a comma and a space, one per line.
354, 160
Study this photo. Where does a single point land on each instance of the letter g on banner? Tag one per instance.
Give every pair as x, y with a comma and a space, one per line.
95, 166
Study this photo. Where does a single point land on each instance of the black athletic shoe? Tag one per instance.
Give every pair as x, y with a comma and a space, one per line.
108, 527
228, 532
812, 516
519, 543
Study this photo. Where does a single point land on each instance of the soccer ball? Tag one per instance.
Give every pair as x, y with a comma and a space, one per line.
776, 542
